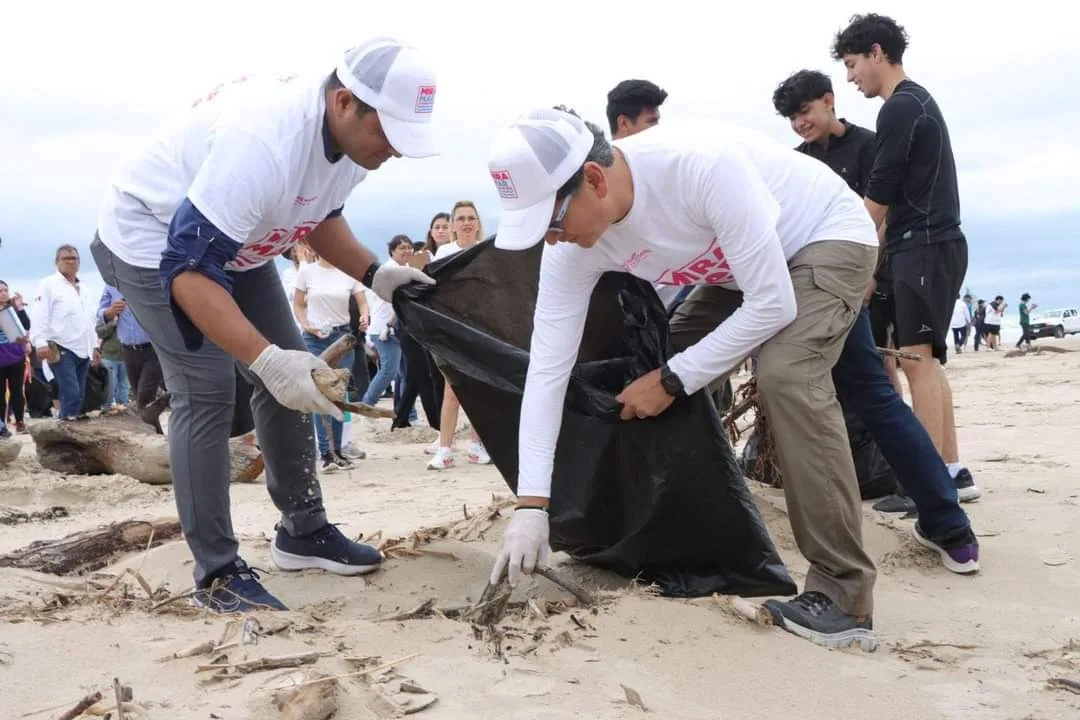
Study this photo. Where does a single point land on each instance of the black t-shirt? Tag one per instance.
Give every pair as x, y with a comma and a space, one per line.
851, 155
914, 171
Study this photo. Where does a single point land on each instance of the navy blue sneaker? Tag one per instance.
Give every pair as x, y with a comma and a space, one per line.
815, 617
327, 549
235, 589
959, 551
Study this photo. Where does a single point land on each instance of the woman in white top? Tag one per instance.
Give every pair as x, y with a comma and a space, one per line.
382, 331
995, 314
321, 305
466, 230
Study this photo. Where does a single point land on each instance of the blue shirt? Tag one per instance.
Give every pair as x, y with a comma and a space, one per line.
128, 329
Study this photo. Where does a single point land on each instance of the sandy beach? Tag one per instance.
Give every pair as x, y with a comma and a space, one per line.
968, 648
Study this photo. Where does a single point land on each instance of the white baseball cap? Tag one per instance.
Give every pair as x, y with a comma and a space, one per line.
398, 82
529, 161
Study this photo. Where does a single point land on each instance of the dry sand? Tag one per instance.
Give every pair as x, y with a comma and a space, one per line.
953, 647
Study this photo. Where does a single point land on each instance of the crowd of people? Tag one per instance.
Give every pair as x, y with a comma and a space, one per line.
806, 261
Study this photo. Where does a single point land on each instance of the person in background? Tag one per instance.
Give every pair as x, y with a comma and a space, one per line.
402, 254
438, 233
466, 230
914, 200
63, 334
633, 106
141, 362
422, 377
383, 330
321, 305
117, 388
980, 322
961, 320
995, 315
13, 365
1026, 308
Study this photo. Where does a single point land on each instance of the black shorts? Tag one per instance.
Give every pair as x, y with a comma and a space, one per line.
920, 288
991, 330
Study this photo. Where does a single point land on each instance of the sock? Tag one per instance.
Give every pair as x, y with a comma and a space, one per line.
954, 468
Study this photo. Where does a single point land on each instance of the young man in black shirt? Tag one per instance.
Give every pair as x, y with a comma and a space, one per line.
633, 106
913, 198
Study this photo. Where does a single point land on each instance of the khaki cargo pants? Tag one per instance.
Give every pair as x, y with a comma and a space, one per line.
795, 388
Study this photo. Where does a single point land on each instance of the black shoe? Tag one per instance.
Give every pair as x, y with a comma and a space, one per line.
966, 489
895, 504
327, 549
4, 432
343, 462
329, 463
235, 589
814, 617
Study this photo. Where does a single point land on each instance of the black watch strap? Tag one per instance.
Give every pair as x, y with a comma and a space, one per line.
369, 274
671, 382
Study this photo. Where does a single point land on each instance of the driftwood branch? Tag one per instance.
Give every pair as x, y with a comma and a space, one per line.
890, 352
82, 706
90, 550
334, 383
583, 596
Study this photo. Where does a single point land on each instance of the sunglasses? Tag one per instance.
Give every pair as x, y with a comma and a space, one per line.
560, 215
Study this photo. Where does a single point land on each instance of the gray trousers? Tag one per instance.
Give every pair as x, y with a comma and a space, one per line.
203, 386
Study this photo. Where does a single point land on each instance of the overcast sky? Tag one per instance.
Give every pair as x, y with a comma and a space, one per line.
82, 81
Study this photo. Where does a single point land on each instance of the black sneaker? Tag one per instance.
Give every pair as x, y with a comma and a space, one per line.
343, 462
4, 432
235, 589
327, 549
966, 489
895, 504
814, 617
329, 463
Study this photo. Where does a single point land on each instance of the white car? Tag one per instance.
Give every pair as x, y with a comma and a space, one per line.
1056, 323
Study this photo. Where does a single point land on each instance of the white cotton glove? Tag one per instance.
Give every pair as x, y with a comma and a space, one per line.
287, 375
525, 545
390, 276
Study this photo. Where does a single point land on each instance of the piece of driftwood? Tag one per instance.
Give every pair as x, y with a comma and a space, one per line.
9, 450
334, 384
271, 662
123, 443
14, 516
81, 707
89, 550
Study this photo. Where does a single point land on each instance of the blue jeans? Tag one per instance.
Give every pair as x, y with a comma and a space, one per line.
389, 364
861, 382
119, 390
316, 345
70, 373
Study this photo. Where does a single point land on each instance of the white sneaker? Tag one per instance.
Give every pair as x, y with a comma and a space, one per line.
478, 454
443, 460
352, 452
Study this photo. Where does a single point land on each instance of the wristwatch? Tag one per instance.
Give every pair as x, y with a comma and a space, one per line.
670, 381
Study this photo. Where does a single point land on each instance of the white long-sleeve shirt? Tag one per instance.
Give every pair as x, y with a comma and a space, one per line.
714, 205
58, 314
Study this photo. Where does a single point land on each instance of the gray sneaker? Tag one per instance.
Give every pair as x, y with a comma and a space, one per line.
815, 617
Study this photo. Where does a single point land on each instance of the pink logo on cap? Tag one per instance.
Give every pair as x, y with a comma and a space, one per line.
425, 99
504, 184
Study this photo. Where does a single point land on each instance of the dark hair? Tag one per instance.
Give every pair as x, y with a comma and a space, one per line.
631, 98
397, 241
333, 82
600, 153
998, 298
865, 31
1025, 297
419, 246
429, 241
800, 88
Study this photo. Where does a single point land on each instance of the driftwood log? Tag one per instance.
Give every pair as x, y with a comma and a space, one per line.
9, 450
123, 443
89, 550
334, 383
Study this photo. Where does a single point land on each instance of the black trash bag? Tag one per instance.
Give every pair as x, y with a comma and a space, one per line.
662, 499
96, 390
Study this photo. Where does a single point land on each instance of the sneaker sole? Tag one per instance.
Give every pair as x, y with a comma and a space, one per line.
291, 563
867, 640
968, 568
968, 494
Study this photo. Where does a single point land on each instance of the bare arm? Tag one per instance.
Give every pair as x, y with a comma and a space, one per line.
300, 308
363, 310
212, 309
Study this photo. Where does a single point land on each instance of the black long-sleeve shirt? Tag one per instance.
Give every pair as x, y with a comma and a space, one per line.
914, 171
851, 155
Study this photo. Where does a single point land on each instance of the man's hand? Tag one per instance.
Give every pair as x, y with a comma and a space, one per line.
364, 322
390, 276
525, 545
115, 309
287, 375
645, 397
45, 353
96, 358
